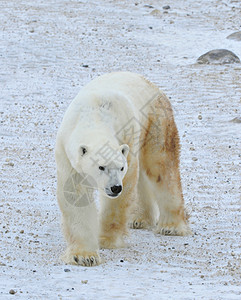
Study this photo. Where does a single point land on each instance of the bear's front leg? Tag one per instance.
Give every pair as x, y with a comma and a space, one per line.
80, 226
79, 220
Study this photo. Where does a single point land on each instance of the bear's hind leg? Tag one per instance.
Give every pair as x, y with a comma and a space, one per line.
160, 160
166, 186
172, 218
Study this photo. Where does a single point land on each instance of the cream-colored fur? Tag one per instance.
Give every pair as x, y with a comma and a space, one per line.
117, 114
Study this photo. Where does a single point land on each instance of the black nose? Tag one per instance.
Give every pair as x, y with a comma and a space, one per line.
116, 189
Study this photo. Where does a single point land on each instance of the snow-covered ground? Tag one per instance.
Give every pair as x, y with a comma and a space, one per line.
43, 47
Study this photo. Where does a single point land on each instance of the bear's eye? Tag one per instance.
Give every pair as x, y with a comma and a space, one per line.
83, 150
122, 169
102, 168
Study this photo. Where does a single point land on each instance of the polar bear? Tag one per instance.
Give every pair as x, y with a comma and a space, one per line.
117, 137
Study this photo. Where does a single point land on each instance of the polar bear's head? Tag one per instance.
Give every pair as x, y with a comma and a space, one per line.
106, 164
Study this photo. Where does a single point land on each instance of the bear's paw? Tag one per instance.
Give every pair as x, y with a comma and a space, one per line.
82, 258
139, 224
181, 229
110, 242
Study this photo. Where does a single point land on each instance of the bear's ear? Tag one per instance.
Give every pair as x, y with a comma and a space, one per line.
124, 149
83, 150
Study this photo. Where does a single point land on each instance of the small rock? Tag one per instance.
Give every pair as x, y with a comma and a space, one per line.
219, 56
200, 117
155, 12
148, 5
22, 231
166, 7
202, 276
85, 66
12, 292
121, 260
236, 120
235, 36
66, 270
84, 281
194, 158
10, 164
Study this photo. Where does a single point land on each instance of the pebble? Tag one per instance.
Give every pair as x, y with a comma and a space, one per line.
218, 56
194, 158
22, 231
166, 7
84, 281
235, 36
12, 292
236, 120
66, 270
155, 12
200, 117
148, 5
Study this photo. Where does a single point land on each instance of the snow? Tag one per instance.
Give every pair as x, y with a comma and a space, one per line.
43, 47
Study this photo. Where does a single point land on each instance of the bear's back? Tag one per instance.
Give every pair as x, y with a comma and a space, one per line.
131, 85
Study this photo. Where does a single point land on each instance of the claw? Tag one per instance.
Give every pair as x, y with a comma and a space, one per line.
92, 261
87, 262
137, 225
76, 259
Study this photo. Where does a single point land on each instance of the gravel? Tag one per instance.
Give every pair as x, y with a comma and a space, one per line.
44, 46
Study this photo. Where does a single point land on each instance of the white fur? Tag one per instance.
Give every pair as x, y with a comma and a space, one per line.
97, 119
